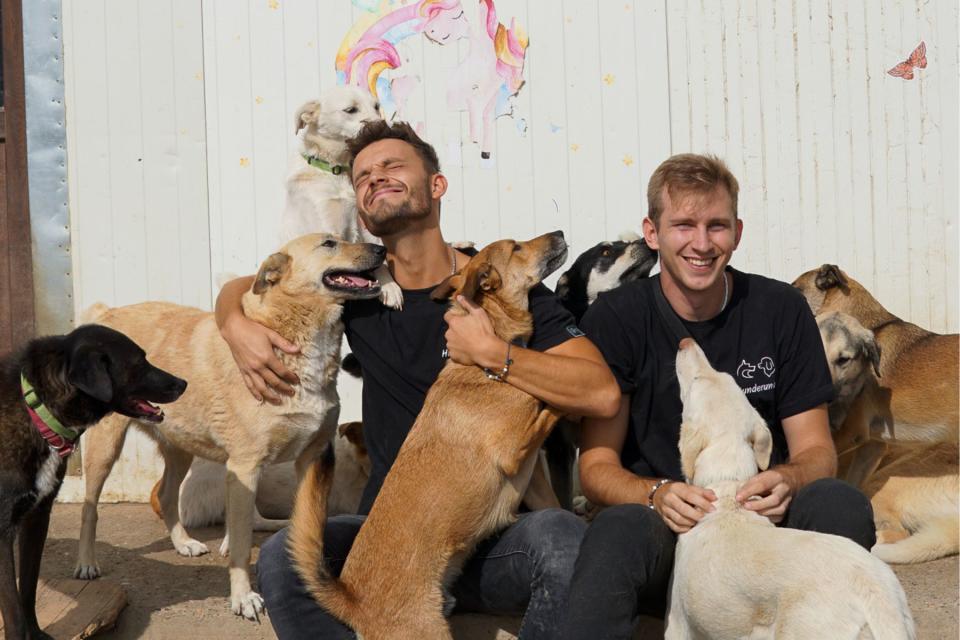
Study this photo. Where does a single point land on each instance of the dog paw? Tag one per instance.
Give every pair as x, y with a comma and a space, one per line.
225, 546
248, 605
86, 571
192, 548
391, 295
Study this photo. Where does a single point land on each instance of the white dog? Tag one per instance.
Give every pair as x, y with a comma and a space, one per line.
320, 196
736, 575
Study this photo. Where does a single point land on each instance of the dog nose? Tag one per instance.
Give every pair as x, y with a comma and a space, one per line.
686, 343
558, 234
379, 251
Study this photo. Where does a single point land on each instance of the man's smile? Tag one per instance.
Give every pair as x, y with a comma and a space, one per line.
383, 191
700, 264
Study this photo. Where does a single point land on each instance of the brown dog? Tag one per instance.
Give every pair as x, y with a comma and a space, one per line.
466, 461
916, 397
914, 491
299, 293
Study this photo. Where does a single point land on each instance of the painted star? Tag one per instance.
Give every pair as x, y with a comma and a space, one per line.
574, 147
609, 79
244, 162
627, 160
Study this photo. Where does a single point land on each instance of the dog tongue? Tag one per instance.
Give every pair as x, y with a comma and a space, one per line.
356, 281
146, 407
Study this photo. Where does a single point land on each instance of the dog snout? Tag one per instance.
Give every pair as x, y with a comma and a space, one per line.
379, 251
686, 343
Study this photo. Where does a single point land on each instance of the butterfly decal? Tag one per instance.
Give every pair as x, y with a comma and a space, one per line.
917, 59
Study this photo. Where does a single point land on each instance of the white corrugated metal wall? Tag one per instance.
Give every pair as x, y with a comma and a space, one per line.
179, 129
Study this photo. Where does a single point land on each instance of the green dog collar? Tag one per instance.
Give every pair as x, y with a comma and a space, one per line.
33, 401
335, 169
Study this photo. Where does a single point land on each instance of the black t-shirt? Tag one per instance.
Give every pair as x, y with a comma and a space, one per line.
401, 356
766, 338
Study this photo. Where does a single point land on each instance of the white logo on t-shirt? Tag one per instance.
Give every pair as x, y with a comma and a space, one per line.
746, 370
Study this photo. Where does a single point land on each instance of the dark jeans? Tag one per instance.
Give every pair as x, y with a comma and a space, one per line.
627, 556
524, 569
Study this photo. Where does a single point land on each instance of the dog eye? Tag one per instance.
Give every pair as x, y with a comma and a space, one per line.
329, 244
376, 107
842, 360
605, 253
351, 110
516, 248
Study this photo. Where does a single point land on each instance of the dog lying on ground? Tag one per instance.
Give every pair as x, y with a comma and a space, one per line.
298, 292
736, 575
50, 392
914, 491
918, 398
320, 195
202, 501
467, 461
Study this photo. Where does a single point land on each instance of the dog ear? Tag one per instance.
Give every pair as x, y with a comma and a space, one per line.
830, 276
692, 443
445, 289
489, 278
270, 272
88, 372
872, 350
762, 444
353, 432
306, 114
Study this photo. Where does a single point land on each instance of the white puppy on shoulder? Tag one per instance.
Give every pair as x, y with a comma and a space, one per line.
736, 575
320, 196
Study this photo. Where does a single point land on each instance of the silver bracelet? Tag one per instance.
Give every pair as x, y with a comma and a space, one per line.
653, 491
502, 374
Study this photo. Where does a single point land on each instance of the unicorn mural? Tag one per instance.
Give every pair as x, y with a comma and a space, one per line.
482, 83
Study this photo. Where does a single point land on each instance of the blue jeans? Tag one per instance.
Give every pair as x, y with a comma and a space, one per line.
525, 569
626, 557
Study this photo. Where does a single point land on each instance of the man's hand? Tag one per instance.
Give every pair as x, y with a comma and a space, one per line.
682, 505
471, 339
768, 493
252, 345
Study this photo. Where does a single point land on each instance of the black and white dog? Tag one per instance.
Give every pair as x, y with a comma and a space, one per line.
600, 268
603, 267
50, 392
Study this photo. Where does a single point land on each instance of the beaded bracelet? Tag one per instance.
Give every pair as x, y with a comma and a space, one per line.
502, 374
653, 491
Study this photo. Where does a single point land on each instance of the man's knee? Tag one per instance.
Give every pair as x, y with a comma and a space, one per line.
833, 506
274, 568
628, 533
556, 534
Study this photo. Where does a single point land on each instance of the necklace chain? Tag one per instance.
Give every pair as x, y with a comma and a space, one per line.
453, 260
726, 292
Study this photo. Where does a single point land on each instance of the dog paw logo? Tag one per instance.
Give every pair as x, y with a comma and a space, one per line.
766, 365
745, 370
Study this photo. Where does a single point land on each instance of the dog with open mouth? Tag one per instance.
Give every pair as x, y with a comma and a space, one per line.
466, 462
298, 292
50, 393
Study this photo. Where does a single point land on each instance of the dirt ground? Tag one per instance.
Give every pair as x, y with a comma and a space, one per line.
173, 598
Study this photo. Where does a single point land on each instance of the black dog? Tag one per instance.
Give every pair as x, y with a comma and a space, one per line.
600, 268
49, 393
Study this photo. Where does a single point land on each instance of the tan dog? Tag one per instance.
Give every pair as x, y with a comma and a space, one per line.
736, 575
917, 398
915, 491
299, 293
466, 462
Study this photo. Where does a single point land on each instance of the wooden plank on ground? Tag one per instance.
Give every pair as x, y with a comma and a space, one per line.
76, 609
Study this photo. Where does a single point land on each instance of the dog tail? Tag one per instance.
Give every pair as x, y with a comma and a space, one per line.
935, 540
885, 608
93, 313
305, 540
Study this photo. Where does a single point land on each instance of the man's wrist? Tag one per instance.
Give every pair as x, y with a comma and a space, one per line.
493, 356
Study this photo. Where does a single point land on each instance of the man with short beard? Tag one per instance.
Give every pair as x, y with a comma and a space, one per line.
524, 569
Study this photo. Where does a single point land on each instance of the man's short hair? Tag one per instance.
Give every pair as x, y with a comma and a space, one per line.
688, 174
377, 130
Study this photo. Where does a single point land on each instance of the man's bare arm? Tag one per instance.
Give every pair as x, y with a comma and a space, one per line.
606, 482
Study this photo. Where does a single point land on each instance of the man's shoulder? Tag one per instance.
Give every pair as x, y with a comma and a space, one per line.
767, 290
638, 292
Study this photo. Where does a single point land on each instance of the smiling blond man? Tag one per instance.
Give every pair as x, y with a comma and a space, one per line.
759, 330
